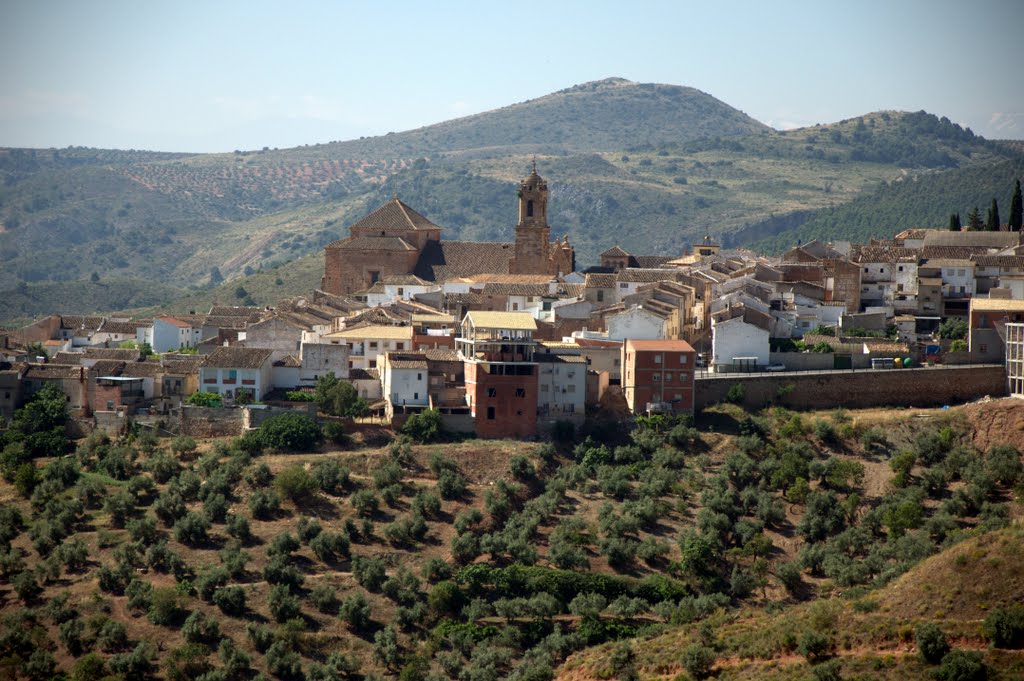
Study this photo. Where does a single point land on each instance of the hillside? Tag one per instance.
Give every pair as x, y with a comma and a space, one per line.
494, 559
654, 167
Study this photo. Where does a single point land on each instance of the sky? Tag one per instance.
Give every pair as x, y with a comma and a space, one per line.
216, 76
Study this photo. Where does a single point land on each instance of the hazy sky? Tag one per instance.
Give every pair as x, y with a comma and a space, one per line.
219, 75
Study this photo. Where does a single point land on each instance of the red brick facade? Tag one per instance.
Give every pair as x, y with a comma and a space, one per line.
658, 372
503, 406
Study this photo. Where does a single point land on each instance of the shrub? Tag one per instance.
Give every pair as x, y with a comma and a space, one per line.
209, 581
295, 483
264, 504
790, 576
89, 667
329, 546
365, 503
369, 572
931, 642
354, 610
814, 645
828, 671
283, 604
1003, 463
424, 427
446, 599
324, 598
289, 432
230, 600
736, 393
192, 529
385, 648
521, 468
283, 662
1004, 627
198, 628
165, 607
330, 476
962, 665
238, 527
140, 595
698, 660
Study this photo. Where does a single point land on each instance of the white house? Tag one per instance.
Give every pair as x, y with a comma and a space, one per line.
562, 387
367, 344
405, 382
169, 333
636, 322
739, 336
230, 370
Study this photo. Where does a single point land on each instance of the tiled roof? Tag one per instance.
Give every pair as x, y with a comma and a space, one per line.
600, 280
863, 254
80, 323
67, 358
912, 234
183, 367
998, 260
440, 355
652, 261
174, 322
996, 304
950, 262
226, 322
121, 354
520, 321
406, 361
53, 372
498, 278
405, 280
614, 252
515, 290
444, 260
141, 369
125, 328
373, 243
107, 367
644, 275
233, 311
291, 362
952, 252
237, 358
433, 318
987, 240
656, 345
394, 215
375, 331
364, 374
552, 358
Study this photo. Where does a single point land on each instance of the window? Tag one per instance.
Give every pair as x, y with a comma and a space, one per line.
419, 377
520, 392
373, 345
543, 387
656, 377
373, 364
617, 362
571, 387
515, 306
492, 392
400, 345
865, 270
623, 285
490, 413
110, 405
600, 296
668, 377
982, 348
682, 360
657, 359
374, 276
529, 208
415, 396
401, 290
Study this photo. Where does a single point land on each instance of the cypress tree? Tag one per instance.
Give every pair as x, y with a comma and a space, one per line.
974, 222
992, 223
1016, 208
954, 222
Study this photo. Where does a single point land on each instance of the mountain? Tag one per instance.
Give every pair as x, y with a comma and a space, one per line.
651, 167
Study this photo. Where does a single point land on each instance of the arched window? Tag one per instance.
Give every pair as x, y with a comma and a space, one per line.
529, 209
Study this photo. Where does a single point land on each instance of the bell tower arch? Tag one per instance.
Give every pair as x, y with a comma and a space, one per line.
532, 233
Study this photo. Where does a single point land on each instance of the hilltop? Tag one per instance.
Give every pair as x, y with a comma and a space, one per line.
652, 167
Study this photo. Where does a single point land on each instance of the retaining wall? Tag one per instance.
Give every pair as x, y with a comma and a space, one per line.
921, 387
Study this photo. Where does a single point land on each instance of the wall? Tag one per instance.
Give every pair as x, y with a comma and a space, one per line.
735, 338
211, 421
815, 361
930, 386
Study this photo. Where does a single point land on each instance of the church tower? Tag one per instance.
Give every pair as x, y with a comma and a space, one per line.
533, 234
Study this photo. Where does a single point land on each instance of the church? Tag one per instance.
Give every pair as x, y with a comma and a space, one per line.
395, 240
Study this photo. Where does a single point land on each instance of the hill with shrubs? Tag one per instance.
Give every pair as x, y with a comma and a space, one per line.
745, 545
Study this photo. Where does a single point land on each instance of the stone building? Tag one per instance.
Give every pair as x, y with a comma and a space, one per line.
396, 240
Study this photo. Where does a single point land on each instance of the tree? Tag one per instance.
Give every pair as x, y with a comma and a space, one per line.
424, 427
295, 483
954, 222
204, 399
953, 329
215, 276
992, 219
94, 277
1016, 208
931, 642
338, 397
974, 223
289, 432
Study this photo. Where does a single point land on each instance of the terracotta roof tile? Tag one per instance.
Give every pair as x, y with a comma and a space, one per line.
444, 260
394, 215
237, 358
121, 354
53, 372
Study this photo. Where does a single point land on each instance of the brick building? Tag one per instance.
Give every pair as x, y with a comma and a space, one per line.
501, 373
657, 375
396, 240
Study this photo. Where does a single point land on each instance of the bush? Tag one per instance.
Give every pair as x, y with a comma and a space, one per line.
140, 595
238, 527
296, 484
521, 468
962, 665
324, 598
329, 546
289, 432
264, 504
814, 645
89, 667
330, 476
365, 503
698, 660
283, 604
446, 599
369, 572
283, 662
192, 529
354, 610
931, 642
736, 393
424, 427
165, 607
198, 628
230, 600
1004, 627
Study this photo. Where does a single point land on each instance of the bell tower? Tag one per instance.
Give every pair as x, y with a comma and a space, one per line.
533, 234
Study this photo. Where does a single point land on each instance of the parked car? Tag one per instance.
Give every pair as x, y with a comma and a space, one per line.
777, 366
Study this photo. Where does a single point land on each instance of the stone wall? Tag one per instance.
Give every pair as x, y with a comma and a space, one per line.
922, 387
211, 421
